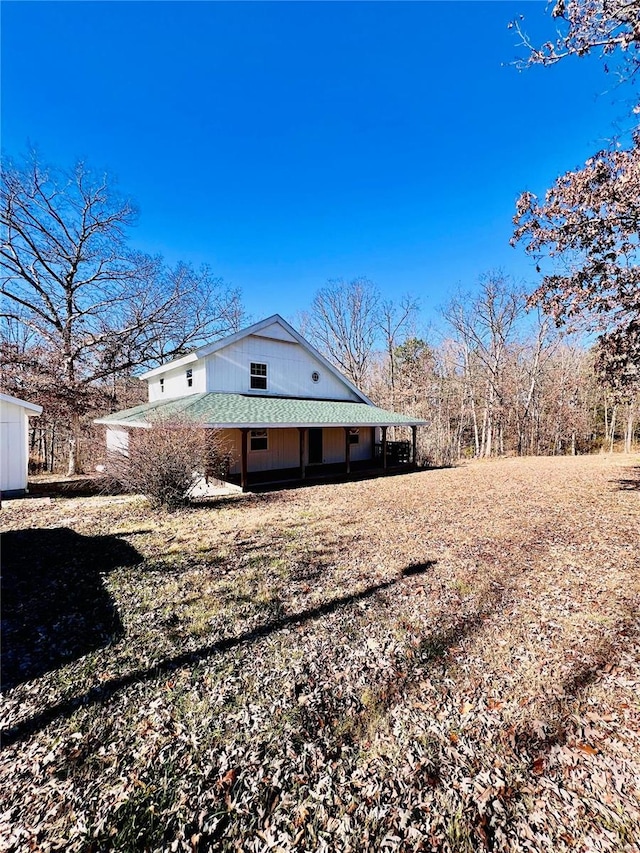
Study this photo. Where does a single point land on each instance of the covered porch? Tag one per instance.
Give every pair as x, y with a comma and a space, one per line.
364, 451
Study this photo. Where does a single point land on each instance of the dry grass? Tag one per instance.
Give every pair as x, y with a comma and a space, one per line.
446, 660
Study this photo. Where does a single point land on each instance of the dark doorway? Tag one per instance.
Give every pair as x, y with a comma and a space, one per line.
315, 447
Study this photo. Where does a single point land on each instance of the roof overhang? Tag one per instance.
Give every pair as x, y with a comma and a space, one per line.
31, 408
214, 410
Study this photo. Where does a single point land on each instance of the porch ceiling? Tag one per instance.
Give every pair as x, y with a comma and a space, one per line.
238, 411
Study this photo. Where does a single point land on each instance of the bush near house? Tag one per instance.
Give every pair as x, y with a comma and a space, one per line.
164, 461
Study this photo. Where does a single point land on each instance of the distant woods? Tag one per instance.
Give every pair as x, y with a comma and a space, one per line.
497, 379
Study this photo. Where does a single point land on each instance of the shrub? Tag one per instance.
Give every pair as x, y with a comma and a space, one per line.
165, 460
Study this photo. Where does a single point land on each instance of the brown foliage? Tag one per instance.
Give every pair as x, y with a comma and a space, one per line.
164, 461
607, 26
590, 220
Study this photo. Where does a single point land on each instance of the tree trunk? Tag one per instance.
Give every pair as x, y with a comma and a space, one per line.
628, 436
74, 445
613, 428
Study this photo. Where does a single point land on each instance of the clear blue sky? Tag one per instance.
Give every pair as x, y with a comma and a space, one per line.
290, 143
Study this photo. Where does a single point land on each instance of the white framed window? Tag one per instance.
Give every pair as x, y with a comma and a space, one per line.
354, 436
258, 439
161, 385
258, 376
189, 375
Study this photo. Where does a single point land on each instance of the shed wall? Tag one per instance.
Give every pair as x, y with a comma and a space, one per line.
14, 447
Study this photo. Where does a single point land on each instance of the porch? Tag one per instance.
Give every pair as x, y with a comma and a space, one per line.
380, 456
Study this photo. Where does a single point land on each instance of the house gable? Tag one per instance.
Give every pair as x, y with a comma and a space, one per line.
275, 331
288, 366
289, 371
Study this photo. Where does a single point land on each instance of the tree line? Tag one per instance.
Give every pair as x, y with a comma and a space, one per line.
498, 377
82, 311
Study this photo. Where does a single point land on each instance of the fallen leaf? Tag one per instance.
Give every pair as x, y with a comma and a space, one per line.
584, 747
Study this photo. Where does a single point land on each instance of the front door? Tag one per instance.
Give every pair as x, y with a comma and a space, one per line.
315, 447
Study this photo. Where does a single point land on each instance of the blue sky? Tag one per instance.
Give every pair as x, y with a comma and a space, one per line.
286, 144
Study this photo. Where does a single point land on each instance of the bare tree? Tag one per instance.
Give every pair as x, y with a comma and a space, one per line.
396, 319
485, 327
92, 305
344, 323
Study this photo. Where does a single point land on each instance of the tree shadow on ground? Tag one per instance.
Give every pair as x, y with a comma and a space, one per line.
631, 482
102, 692
560, 713
55, 607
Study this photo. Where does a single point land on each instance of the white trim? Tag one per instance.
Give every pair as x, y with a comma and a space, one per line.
178, 362
267, 369
133, 424
34, 408
208, 349
270, 425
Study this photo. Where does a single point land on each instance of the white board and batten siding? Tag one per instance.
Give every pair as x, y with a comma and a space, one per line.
174, 382
117, 441
290, 370
14, 443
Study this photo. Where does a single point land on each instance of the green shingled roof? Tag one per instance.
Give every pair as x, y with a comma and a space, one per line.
239, 410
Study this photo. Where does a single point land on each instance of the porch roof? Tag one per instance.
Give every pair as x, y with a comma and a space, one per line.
237, 411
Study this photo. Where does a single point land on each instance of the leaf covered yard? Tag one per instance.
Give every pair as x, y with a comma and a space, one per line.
446, 661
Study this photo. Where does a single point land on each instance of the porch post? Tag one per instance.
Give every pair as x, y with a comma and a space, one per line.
347, 449
414, 445
302, 432
243, 458
384, 448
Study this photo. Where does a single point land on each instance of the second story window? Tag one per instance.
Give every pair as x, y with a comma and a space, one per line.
162, 386
189, 378
258, 376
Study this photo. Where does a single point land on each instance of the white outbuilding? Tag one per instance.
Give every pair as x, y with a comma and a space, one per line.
14, 444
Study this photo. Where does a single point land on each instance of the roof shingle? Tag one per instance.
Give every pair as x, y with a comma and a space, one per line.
214, 409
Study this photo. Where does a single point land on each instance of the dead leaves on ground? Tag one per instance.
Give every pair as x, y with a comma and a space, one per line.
488, 700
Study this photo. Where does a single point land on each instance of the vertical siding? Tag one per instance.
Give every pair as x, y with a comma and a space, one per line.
289, 370
284, 448
175, 382
283, 451
364, 449
14, 443
117, 440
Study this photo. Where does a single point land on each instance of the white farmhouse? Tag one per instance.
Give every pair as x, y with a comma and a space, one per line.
14, 444
284, 411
